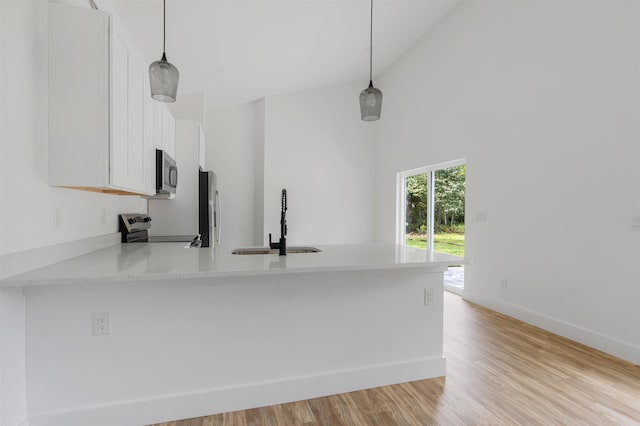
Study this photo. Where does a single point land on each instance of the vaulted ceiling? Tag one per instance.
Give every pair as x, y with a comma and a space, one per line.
240, 50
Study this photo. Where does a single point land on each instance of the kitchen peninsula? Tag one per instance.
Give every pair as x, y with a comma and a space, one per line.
192, 332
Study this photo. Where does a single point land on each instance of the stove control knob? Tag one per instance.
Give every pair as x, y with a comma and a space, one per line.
131, 221
147, 219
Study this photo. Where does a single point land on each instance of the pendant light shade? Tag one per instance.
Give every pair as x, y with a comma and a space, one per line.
164, 80
163, 75
370, 98
370, 103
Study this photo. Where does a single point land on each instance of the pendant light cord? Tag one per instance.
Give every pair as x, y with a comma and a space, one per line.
164, 25
371, 44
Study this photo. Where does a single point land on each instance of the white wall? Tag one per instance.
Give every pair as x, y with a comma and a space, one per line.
317, 147
27, 202
258, 217
189, 106
13, 385
312, 143
543, 100
13, 376
2, 110
233, 137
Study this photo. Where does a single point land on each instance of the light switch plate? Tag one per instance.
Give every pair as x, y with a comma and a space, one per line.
101, 322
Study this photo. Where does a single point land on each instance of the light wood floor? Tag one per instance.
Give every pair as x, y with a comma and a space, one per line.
500, 371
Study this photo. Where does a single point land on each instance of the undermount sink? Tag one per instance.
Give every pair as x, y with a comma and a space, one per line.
267, 250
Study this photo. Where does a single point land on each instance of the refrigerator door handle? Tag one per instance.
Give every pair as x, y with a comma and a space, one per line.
217, 218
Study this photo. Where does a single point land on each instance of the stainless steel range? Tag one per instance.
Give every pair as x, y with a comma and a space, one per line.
134, 227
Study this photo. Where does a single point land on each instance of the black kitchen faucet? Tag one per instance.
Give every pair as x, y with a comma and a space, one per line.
282, 245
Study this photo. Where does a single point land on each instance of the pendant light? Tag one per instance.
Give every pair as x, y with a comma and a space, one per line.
370, 98
163, 76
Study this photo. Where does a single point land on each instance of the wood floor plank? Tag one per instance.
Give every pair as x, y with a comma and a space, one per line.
500, 371
236, 418
323, 412
342, 408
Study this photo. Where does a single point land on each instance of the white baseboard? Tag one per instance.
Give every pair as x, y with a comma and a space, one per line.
609, 345
252, 395
24, 261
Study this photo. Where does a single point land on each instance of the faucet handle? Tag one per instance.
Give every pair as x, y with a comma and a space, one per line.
269, 239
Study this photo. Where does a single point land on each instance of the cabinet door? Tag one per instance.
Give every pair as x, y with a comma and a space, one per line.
149, 142
79, 96
168, 132
158, 127
119, 111
165, 129
171, 141
135, 146
201, 150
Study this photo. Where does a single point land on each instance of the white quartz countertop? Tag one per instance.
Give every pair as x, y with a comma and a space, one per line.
154, 261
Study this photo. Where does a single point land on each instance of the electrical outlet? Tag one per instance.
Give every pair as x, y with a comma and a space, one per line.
101, 323
504, 284
428, 296
481, 216
57, 219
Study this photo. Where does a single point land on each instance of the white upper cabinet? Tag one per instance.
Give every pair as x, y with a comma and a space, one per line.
103, 124
136, 172
119, 112
168, 132
149, 141
158, 128
201, 150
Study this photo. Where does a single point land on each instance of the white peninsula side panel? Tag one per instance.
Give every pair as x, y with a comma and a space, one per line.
187, 348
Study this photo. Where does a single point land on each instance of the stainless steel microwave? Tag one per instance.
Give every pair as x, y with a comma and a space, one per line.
166, 173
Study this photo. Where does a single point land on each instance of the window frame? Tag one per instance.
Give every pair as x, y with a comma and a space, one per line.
401, 213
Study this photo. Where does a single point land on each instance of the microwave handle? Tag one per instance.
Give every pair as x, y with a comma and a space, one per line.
173, 176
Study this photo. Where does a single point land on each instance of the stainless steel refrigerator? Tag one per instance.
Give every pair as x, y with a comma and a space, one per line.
209, 211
